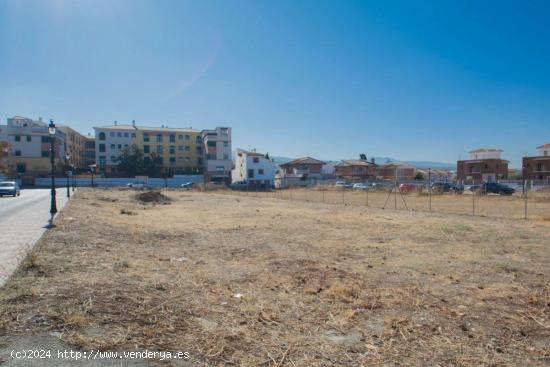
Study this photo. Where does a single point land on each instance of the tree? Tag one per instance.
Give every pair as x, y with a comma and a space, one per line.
419, 176
130, 161
152, 166
5, 168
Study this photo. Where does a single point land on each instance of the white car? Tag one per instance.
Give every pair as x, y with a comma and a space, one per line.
361, 186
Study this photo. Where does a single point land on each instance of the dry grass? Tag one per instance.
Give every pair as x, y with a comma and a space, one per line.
256, 281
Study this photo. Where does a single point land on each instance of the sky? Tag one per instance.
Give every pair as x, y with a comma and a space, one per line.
411, 80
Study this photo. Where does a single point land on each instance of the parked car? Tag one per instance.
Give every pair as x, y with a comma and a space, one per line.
239, 185
187, 185
343, 184
407, 187
446, 187
361, 186
382, 184
9, 188
492, 188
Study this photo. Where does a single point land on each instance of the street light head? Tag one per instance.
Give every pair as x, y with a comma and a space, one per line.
51, 128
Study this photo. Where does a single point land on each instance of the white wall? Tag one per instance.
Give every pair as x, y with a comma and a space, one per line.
485, 155
122, 140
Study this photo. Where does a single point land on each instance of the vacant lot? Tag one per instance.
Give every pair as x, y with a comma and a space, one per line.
256, 281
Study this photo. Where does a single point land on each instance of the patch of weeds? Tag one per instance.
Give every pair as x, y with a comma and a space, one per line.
127, 212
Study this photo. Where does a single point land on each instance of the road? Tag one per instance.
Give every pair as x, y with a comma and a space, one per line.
23, 219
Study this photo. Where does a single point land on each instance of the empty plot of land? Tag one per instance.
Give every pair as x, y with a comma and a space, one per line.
256, 281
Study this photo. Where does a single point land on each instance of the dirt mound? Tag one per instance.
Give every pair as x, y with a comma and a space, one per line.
155, 197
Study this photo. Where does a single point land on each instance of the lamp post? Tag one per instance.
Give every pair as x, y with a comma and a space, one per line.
67, 158
53, 206
73, 176
92, 169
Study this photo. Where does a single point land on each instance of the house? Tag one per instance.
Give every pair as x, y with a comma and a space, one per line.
254, 168
538, 167
306, 166
399, 171
355, 170
485, 164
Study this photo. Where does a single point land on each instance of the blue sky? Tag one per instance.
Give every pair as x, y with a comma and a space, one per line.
413, 80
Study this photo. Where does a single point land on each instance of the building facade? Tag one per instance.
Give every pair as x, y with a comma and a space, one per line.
399, 171
75, 147
538, 167
180, 150
89, 152
29, 141
355, 170
306, 166
254, 168
485, 164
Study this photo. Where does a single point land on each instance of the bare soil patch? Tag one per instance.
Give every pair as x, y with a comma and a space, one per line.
252, 281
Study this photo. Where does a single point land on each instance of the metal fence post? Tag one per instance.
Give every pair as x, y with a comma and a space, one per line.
343, 195
524, 196
430, 187
473, 202
367, 190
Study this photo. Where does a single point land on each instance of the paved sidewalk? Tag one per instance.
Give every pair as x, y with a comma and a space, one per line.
23, 220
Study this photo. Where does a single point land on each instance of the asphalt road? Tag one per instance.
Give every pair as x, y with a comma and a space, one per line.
23, 219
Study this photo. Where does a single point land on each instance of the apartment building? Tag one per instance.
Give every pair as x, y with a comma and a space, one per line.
217, 162
89, 152
181, 150
29, 141
538, 167
305, 166
75, 146
255, 168
485, 164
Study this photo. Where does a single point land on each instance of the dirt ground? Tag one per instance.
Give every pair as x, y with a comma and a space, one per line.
253, 281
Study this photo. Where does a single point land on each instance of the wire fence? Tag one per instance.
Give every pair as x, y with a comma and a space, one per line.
531, 204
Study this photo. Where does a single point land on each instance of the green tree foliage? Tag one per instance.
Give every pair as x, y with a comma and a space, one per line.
419, 176
132, 162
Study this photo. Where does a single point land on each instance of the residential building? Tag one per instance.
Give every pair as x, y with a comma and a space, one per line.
355, 169
255, 168
181, 150
396, 170
217, 160
306, 166
89, 152
538, 167
5, 151
75, 147
30, 148
485, 164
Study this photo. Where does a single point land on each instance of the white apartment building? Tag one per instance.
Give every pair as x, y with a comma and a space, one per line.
217, 161
253, 168
111, 141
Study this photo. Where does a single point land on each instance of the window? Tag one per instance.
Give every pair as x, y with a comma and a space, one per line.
225, 156
21, 168
28, 138
260, 171
113, 158
211, 156
125, 145
187, 137
172, 138
187, 148
159, 138
211, 143
126, 135
255, 159
119, 135
159, 149
199, 160
113, 146
172, 149
198, 139
120, 146
250, 173
180, 137
220, 168
133, 135
199, 150
539, 167
102, 148
112, 134
225, 144
47, 139
187, 159
172, 160
146, 149
45, 154
180, 148
102, 159
145, 137
224, 130
17, 138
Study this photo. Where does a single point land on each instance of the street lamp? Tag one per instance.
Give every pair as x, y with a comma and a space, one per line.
73, 176
53, 206
92, 169
67, 158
